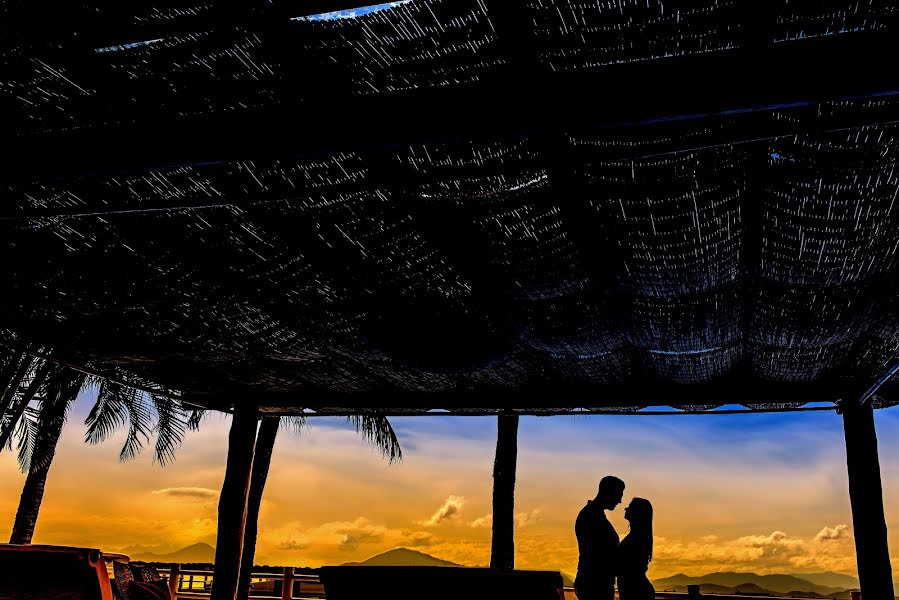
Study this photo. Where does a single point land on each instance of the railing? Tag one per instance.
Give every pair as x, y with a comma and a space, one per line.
193, 583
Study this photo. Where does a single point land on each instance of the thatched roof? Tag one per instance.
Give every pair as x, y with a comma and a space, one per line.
419, 208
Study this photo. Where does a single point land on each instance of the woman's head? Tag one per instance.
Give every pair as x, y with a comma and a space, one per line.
639, 514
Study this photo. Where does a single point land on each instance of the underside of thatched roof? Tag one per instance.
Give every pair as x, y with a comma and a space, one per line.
457, 203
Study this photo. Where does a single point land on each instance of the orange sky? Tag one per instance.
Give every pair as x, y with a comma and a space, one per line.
763, 493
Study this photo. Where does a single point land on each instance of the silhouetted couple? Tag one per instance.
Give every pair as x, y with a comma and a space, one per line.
602, 558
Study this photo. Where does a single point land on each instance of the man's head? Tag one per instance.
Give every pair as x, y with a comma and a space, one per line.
611, 490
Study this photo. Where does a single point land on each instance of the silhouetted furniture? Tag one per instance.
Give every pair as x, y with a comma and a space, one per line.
53, 573
438, 583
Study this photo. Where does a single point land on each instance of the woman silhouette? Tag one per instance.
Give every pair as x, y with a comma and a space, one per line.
635, 552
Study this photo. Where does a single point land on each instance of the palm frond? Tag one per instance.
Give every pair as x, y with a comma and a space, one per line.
18, 373
92, 381
140, 420
108, 413
194, 418
61, 391
5, 422
378, 431
26, 435
170, 426
296, 423
23, 398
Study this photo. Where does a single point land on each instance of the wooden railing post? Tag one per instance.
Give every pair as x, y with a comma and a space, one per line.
693, 592
174, 576
287, 588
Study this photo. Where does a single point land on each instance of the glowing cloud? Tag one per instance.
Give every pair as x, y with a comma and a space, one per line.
450, 508
485, 521
839, 532
187, 492
529, 518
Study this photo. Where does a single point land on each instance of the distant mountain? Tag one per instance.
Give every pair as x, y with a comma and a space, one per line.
830, 579
403, 557
195, 553
780, 584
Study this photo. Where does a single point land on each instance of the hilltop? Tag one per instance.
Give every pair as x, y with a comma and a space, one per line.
403, 557
195, 553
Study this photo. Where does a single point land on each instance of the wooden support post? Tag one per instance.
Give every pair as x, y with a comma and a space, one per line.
174, 575
866, 498
502, 547
287, 588
232, 511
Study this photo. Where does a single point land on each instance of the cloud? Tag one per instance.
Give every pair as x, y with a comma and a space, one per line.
830, 550
351, 534
839, 532
187, 492
293, 545
778, 544
448, 510
417, 539
524, 519
485, 521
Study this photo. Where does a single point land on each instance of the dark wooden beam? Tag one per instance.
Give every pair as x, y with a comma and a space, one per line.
481, 412
556, 395
866, 497
232, 509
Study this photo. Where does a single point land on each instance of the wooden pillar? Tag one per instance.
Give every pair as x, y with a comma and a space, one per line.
502, 546
866, 498
232, 511
287, 587
174, 575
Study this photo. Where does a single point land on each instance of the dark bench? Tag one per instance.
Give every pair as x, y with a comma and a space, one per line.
439, 583
53, 573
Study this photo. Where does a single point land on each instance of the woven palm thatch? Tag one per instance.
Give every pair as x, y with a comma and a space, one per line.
611, 267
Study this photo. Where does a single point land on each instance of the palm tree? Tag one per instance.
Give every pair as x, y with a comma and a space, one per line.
36, 453
232, 508
246, 471
38, 428
375, 429
502, 547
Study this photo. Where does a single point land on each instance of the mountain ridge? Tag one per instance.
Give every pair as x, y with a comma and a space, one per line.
780, 584
830, 579
404, 557
200, 552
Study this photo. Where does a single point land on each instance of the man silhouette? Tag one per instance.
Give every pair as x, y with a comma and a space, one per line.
597, 541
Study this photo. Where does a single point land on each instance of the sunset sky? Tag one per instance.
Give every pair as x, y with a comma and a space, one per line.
764, 493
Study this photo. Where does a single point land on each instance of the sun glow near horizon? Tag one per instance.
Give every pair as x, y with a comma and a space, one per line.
760, 493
